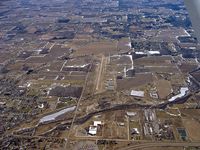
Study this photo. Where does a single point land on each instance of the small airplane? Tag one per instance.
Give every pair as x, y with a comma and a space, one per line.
193, 7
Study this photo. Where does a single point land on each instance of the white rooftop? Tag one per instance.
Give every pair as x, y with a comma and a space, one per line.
136, 130
137, 93
93, 130
140, 53
183, 92
154, 52
96, 123
131, 113
53, 116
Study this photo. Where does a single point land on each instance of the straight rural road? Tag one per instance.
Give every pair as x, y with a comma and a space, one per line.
163, 144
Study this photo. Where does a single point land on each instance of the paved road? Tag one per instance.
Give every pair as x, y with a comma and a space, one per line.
163, 144
77, 107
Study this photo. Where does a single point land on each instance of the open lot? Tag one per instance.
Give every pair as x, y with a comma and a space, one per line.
164, 88
97, 74
55, 52
4, 57
137, 81
96, 47
192, 127
154, 61
167, 35
164, 148
162, 69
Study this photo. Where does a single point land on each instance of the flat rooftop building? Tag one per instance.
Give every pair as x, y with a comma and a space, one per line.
137, 93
